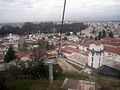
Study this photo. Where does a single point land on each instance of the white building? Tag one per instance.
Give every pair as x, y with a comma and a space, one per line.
12, 38
73, 38
96, 50
111, 56
75, 56
3, 49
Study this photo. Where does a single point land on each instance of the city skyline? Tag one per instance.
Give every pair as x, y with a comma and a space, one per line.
46, 10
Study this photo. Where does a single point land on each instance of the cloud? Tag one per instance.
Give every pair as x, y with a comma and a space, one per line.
43, 10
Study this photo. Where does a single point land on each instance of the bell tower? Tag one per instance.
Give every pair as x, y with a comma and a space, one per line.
95, 57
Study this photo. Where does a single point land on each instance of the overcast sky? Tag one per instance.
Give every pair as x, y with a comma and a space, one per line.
51, 10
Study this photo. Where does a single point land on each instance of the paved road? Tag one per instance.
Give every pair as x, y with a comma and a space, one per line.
66, 66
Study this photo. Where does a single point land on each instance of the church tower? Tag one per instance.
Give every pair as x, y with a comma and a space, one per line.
95, 57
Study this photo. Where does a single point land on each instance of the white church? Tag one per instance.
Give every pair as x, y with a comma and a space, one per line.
95, 56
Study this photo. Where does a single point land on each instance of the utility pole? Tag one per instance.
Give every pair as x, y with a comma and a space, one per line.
62, 21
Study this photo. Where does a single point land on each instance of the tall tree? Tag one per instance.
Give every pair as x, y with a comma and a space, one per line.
91, 37
99, 36
10, 55
25, 45
111, 34
47, 46
65, 38
96, 38
104, 34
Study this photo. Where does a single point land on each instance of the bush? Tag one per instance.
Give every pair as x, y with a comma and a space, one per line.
38, 71
57, 71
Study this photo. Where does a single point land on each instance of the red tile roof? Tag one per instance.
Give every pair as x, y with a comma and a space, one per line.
85, 44
50, 51
70, 50
98, 42
65, 50
73, 49
112, 49
110, 44
20, 55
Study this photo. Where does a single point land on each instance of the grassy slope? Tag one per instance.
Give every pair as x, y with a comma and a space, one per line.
43, 84
106, 83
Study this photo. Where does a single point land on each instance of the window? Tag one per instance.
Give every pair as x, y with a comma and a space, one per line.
91, 64
99, 62
92, 53
92, 59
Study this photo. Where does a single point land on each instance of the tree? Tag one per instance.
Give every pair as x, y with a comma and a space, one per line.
96, 38
42, 43
43, 27
25, 45
51, 37
67, 34
15, 71
56, 35
104, 34
65, 38
86, 37
99, 36
91, 37
57, 71
74, 33
10, 55
111, 34
49, 47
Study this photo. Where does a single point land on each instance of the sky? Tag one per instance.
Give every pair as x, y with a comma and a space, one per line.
51, 10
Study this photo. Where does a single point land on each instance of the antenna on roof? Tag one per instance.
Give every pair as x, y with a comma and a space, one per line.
62, 21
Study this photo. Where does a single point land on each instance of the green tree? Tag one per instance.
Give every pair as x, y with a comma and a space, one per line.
52, 46
51, 37
25, 45
86, 37
57, 71
10, 55
96, 38
47, 46
91, 37
65, 38
104, 34
15, 71
111, 34
99, 36
41, 43
68, 33
57, 35
74, 33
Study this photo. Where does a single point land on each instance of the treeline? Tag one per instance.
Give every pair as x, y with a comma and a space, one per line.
35, 72
39, 71
46, 27
103, 34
